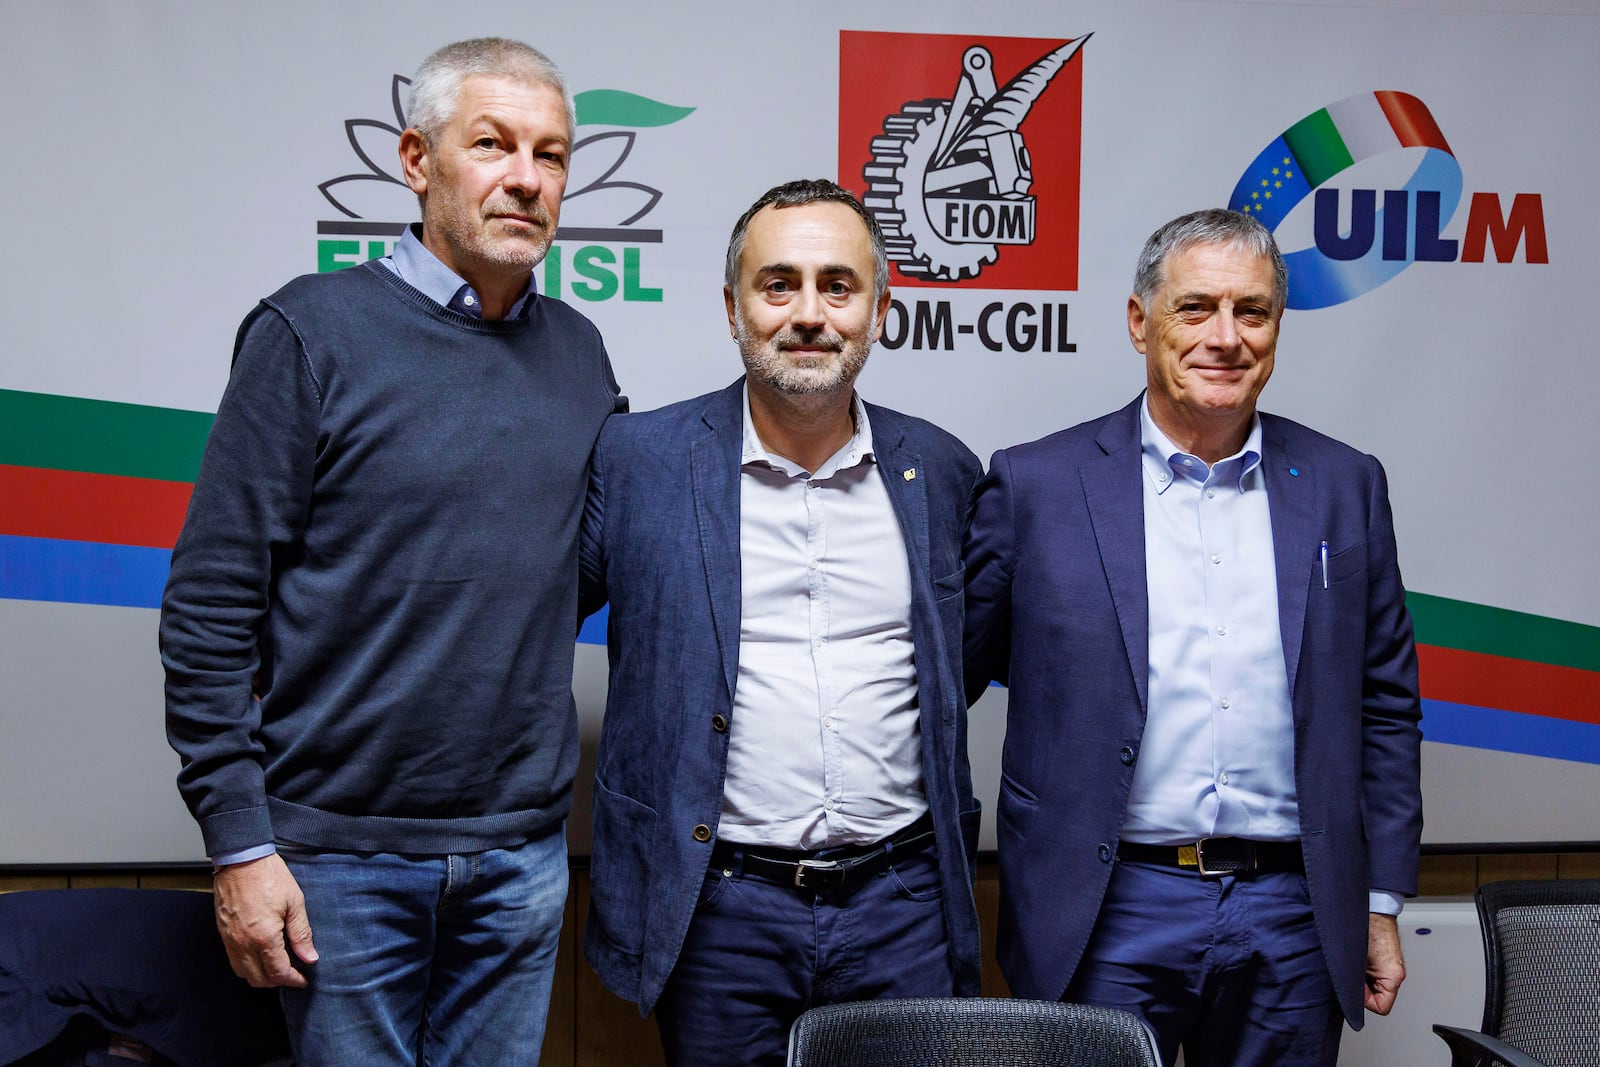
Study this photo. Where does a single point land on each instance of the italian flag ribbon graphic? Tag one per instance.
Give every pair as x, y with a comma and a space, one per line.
1322, 145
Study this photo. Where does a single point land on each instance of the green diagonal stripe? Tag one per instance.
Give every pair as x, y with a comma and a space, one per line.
100, 437
1498, 632
613, 107
1316, 143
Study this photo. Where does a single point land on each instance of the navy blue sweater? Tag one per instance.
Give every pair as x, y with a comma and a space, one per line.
381, 548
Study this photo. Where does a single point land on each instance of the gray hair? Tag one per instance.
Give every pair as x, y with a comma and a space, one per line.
1213, 226
436, 90
809, 191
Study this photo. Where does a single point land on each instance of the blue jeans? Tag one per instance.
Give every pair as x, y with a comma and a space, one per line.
1230, 968
427, 959
759, 954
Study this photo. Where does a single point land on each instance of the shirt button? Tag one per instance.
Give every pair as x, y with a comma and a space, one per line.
829, 804
1222, 631
1210, 493
1216, 559
702, 833
827, 724
1223, 777
1161, 477
1226, 704
719, 723
467, 300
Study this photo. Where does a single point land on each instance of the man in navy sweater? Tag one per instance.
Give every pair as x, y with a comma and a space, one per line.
367, 631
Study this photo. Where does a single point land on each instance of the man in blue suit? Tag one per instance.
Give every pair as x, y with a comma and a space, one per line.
783, 807
1210, 803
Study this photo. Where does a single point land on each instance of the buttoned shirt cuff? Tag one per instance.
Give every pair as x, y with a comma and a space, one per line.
244, 855
1383, 902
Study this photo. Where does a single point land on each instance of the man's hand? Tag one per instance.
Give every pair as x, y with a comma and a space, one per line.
259, 905
1386, 968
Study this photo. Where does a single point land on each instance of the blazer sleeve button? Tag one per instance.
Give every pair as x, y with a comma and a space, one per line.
1127, 755
1105, 852
702, 832
719, 723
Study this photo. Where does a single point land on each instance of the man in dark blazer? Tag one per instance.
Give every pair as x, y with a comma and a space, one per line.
1209, 802
783, 807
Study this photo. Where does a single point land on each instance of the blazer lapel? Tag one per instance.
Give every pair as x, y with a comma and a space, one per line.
907, 483
1116, 508
714, 463
1291, 498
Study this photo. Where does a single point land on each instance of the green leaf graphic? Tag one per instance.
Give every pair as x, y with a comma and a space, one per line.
613, 107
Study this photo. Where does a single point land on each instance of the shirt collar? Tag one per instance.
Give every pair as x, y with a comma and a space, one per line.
1162, 459
854, 451
419, 268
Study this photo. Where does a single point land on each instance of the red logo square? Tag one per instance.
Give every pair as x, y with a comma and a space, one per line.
967, 150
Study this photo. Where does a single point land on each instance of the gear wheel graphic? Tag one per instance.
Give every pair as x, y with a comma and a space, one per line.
901, 159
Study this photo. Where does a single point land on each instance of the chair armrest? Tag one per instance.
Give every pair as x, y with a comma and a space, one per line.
1469, 1048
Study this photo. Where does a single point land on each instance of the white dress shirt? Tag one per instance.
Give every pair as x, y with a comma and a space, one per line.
824, 748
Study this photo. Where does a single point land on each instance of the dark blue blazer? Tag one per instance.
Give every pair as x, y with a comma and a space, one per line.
1058, 608
661, 542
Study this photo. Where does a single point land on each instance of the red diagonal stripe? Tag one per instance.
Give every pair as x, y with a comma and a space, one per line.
73, 506
1512, 684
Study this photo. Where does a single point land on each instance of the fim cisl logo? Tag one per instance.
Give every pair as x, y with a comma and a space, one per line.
601, 248
1330, 157
967, 150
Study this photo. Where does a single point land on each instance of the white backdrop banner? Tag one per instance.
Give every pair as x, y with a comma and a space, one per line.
1427, 168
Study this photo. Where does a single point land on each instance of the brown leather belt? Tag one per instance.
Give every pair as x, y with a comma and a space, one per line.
1217, 856
826, 870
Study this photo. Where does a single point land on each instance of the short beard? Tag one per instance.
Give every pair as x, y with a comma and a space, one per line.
764, 362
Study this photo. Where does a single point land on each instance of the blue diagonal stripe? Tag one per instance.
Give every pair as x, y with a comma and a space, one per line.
1510, 731
82, 572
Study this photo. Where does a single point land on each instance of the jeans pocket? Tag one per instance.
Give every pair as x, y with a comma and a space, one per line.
917, 879
712, 889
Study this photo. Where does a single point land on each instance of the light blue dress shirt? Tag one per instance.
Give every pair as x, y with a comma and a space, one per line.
419, 268
1217, 757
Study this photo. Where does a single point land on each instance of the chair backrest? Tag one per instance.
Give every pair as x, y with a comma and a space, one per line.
969, 1032
1541, 943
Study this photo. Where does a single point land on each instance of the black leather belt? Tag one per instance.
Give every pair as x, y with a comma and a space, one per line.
1216, 856
826, 870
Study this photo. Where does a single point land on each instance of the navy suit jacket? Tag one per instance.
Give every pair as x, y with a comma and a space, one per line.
1058, 608
661, 542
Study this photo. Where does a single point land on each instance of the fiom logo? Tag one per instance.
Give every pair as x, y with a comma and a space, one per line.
599, 248
1356, 138
967, 151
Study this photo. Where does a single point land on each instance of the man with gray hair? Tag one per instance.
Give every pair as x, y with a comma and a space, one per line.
367, 631
1210, 804
783, 808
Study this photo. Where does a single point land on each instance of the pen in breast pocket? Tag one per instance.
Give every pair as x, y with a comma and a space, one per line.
1324, 564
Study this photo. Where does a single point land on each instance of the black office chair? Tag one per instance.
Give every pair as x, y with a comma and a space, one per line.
1541, 1003
82, 970
969, 1032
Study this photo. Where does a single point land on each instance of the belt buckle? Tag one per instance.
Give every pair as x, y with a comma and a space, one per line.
829, 874
1251, 863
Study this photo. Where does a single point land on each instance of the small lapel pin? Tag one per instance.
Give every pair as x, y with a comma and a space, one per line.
1294, 472
911, 474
